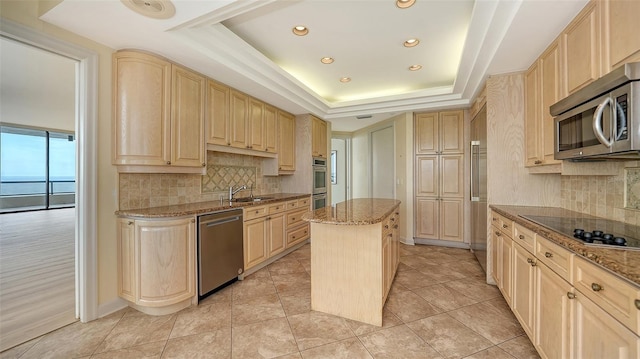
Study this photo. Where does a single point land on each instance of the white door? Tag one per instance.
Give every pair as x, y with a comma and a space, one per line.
383, 163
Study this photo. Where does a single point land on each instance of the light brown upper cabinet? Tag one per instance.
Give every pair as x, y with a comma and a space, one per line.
439, 132
158, 115
287, 143
217, 113
238, 119
621, 28
581, 41
318, 137
256, 125
542, 89
270, 129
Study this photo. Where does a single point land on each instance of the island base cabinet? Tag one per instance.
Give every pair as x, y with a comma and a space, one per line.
598, 335
156, 264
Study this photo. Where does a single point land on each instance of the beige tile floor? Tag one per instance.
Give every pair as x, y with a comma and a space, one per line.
438, 307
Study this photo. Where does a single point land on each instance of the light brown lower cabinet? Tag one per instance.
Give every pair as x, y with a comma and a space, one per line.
590, 314
156, 263
271, 229
553, 313
596, 334
524, 290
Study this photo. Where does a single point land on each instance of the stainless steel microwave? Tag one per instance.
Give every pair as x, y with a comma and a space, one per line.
601, 120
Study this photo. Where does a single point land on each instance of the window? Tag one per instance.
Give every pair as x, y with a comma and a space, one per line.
37, 169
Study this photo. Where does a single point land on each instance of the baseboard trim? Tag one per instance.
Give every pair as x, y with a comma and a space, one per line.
437, 242
110, 307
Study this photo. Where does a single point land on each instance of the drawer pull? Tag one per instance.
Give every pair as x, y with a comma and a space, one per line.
293, 218
498, 234
571, 295
494, 218
596, 287
505, 226
130, 222
529, 260
305, 232
637, 302
386, 226
521, 236
548, 254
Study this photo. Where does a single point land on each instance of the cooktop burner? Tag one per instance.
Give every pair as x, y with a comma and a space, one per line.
593, 231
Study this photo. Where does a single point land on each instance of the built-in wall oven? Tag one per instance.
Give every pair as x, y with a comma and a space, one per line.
319, 175
319, 182
319, 200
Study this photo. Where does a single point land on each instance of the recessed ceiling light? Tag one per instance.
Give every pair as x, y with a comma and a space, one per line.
300, 30
345, 79
403, 4
411, 42
326, 60
415, 67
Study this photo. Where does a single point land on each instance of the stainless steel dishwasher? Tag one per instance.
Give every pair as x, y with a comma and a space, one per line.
219, 250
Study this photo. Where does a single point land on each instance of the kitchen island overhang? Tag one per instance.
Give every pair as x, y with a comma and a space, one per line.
354, 257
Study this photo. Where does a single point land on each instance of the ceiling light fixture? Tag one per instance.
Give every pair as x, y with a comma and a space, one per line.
345, 79
415, 67
155, 9
326, 60
411, 43
300, 30
403, 4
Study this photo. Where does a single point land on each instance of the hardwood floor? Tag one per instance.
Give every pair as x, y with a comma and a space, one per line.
37, 274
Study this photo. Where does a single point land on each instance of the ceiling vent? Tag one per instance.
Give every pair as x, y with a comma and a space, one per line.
362, 117
155, 9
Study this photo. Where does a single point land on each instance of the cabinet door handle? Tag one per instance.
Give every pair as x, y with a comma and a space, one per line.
521, 236
204, 164
571, 295
130, 223
548, 254
498, 234
596, 287
537, 162
494, 219
168, 162
395, 227
505, 226
637, 302
386, 226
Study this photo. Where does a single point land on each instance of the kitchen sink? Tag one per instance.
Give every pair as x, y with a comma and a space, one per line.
252, 199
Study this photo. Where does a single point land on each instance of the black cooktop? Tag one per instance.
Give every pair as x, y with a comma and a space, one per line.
593, 231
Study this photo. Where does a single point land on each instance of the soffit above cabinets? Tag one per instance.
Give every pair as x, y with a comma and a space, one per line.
250, 45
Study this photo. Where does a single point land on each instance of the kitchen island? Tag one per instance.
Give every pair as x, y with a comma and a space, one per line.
354, 257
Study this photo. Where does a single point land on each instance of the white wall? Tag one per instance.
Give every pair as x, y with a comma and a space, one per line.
37, 87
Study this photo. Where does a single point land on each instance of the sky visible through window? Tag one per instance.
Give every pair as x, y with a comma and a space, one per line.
23, 161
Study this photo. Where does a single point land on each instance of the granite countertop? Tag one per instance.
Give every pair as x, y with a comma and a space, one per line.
180, 210
360, 211
622, 261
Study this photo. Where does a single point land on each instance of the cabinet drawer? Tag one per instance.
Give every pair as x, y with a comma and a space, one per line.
555, 257
292, 205
277, 208
297, 235
294, 218
304, 203
254, 212
524, 237
616, 296
504, 224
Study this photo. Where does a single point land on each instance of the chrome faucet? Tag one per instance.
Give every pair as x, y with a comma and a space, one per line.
234, 191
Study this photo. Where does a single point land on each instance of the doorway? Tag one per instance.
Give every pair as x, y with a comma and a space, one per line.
85, 219
339, 169
382, 163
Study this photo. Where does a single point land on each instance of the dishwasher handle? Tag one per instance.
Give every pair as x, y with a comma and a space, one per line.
220, 221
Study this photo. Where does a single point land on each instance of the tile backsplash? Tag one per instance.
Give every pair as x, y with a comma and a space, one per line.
142, 190
602, 196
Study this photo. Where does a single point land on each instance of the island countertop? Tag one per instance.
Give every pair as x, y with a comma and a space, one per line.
196, 208
359, 211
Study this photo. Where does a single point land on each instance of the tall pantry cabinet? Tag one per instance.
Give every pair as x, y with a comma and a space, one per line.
439, 175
